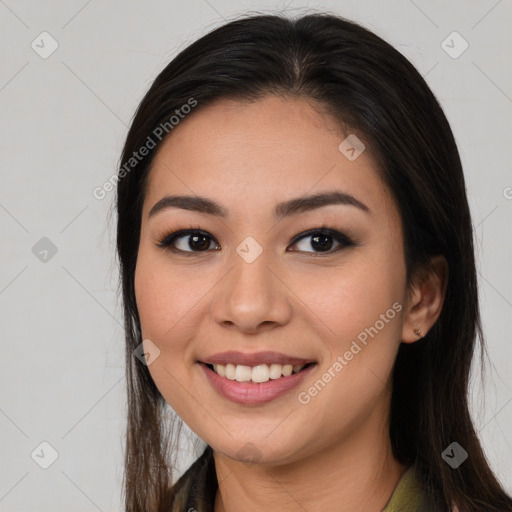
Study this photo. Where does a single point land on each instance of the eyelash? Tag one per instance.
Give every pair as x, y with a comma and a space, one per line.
167, 240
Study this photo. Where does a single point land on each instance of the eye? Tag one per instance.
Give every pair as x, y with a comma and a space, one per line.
187, 240
322, 240
195, 240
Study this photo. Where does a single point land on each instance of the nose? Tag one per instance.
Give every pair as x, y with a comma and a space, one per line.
252, 297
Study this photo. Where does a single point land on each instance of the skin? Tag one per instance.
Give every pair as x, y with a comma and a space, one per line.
292, 299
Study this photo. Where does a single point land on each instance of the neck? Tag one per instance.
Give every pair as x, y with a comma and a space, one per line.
357, 473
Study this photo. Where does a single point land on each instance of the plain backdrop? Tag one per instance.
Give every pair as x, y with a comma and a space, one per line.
64, 117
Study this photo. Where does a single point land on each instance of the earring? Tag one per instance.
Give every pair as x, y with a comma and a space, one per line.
418, 332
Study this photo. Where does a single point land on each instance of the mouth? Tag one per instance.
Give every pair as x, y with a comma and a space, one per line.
258, 374
255, 385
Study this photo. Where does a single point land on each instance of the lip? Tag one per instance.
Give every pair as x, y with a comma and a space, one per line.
254, 359
253, 393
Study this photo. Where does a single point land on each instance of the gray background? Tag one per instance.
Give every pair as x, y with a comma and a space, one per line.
64, 119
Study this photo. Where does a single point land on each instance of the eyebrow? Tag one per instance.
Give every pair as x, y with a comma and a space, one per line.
281, 210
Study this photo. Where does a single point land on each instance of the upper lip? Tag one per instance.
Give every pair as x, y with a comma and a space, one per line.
254, 359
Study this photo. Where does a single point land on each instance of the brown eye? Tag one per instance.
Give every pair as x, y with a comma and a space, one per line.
187, 241
323, 240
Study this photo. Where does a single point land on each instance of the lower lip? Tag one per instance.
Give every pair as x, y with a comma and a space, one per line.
253, 393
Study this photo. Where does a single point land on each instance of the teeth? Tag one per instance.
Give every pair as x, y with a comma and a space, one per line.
243, 373
260, 373
287, 370
275, 371
230, 371
221, 370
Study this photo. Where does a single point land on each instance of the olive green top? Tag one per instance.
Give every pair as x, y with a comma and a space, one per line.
197, 487
409, 496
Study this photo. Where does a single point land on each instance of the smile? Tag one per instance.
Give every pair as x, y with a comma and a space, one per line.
260, 373
257, 385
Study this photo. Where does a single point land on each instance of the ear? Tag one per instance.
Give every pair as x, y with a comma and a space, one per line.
426, 298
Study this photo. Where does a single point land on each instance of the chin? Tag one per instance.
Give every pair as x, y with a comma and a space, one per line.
254, 451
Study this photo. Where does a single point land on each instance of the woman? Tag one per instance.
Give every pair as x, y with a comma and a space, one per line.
298, 280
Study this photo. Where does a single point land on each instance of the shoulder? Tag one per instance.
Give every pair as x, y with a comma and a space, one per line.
410, 495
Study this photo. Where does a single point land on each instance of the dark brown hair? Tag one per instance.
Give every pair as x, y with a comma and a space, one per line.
366, 84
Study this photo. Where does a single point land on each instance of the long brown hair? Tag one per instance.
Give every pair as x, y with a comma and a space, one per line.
369, 86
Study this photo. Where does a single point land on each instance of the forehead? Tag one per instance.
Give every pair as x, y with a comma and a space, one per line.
255, 154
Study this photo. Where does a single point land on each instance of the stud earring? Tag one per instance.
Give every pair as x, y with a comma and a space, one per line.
418, 332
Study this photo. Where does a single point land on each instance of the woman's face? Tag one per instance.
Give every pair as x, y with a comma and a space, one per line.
253, 280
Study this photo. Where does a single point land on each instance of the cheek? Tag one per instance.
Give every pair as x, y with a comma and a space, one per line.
359, 311
362, 311
165, 302
152, 298
350, 298
157, 300
169, 301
